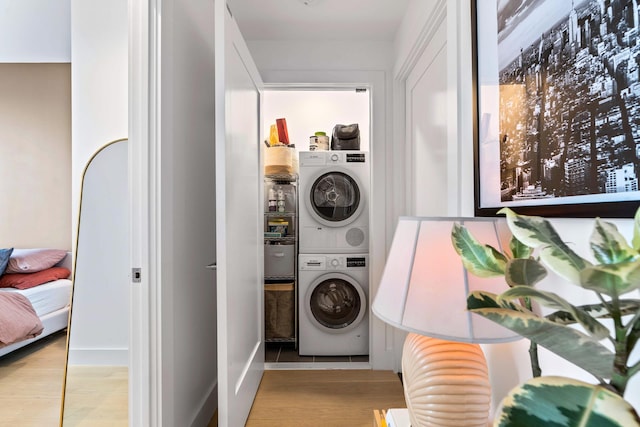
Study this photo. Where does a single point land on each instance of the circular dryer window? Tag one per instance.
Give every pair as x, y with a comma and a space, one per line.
335, 303
335, 196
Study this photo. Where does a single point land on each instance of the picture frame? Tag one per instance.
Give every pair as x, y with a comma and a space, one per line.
556, 107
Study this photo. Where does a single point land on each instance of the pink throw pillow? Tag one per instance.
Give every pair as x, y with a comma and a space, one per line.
32, 260
29, 280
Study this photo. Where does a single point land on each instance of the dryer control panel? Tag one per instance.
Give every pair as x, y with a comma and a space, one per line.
356, 157
331, 262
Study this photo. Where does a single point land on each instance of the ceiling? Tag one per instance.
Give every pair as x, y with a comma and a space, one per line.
353, 20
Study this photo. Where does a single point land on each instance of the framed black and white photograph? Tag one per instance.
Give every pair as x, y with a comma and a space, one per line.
557, 100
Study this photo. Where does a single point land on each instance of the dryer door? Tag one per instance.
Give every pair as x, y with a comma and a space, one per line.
335, 198
335, 303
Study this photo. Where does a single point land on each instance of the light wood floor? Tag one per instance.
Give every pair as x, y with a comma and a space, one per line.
96, 396
31, 389
31, 385
324, 398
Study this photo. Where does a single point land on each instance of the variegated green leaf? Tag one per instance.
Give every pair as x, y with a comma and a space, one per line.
597, 311
612, 279
480, 260
537, 232
524, 272
519, 249
483, 299
559, 401
551, 300
608, 245
575, 346
557, 261
635, 242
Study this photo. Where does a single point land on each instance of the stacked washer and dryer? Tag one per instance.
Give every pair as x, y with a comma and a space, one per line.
333, 260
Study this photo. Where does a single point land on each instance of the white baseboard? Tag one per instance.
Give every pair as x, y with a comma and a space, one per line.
207, 407
276, 366
99, 356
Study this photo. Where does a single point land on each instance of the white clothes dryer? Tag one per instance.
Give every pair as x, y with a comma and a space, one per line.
333, 304
334, 204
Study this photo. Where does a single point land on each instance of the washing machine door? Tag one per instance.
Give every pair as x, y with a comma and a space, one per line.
335, 198
335, 303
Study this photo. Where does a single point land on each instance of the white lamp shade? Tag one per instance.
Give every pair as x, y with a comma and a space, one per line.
424, 286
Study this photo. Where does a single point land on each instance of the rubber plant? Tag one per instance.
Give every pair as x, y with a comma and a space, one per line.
535, 248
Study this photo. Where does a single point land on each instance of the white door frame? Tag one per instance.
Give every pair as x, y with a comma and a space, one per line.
145, 378
381, 335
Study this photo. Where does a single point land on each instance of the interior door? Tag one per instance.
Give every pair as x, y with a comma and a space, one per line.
238, 223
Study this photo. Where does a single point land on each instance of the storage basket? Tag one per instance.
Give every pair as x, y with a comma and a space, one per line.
279, 310
280, 160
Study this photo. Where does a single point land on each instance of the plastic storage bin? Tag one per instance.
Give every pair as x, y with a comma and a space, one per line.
279, 260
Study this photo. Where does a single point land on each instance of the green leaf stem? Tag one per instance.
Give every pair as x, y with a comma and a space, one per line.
597, 311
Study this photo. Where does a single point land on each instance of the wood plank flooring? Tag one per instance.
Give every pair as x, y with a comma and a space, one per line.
97, 396
31, 385
324, 398
31, 389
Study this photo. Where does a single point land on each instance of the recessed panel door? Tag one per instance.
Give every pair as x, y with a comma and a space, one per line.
238, 223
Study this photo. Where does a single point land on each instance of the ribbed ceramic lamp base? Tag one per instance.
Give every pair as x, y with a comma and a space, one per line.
446, 383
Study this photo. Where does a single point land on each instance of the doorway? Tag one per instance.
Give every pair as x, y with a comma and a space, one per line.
309, 111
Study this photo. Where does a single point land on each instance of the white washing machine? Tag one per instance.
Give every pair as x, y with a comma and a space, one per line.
333, 304
334, 204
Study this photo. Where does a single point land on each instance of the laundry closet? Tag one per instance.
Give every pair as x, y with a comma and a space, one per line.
316, 226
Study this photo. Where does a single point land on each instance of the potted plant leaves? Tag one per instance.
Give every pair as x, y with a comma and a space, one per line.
535, 248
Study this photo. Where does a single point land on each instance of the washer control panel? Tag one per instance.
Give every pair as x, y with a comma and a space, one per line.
323, 158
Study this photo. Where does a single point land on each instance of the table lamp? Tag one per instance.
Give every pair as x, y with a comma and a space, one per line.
424, 290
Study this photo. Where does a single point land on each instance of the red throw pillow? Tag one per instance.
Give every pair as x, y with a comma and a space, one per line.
29, 280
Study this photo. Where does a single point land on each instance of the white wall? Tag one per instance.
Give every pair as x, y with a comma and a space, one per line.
35, 155
188, 219
409, 41
99, 74
308, 112
427, 118
35, 31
